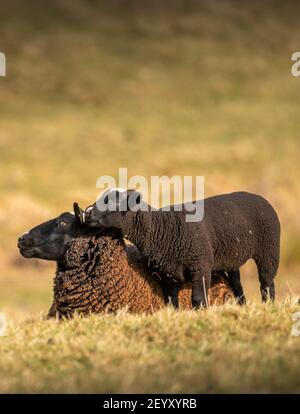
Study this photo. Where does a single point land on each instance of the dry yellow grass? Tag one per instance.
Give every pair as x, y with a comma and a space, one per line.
225, 349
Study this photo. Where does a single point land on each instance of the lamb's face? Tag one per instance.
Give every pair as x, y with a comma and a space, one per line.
50, 240
111, 208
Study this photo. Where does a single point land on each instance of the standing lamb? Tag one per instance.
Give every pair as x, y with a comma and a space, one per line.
236, 227
99, 273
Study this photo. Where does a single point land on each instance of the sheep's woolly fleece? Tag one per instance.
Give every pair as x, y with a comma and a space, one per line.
236, 227
103, 275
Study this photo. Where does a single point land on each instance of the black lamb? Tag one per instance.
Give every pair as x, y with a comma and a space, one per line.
235, 227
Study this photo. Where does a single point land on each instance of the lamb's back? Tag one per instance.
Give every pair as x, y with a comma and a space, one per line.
239, 225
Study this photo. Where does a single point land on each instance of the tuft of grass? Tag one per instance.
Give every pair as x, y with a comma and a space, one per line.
226, 349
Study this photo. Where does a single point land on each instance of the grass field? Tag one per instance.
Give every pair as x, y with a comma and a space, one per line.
227, 349
162, 88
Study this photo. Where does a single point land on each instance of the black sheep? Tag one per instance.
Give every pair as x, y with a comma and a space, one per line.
96, 271
235, 227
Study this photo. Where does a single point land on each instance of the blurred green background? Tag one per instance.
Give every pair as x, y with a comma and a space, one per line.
161, 87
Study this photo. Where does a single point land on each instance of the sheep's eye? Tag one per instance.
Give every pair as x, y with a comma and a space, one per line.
62, 224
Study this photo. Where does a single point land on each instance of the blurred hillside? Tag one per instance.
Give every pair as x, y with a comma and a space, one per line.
161, 87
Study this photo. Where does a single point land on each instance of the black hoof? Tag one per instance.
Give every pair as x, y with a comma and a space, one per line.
242, 300
198, 304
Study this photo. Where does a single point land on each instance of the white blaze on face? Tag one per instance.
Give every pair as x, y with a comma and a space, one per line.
101, 206
112, 190
117, 189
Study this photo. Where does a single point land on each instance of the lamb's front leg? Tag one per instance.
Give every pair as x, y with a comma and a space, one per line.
201, 280
171, 291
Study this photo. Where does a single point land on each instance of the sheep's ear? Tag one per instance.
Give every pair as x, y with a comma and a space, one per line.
79, 213
134, 198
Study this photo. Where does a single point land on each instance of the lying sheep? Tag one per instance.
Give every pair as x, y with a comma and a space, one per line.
99, 273
236, 227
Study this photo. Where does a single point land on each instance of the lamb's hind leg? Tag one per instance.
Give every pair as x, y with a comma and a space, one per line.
235, 283
171, 291
267, 271
200, 286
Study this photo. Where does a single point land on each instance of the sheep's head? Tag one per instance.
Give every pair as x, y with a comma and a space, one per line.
50, 240
111, 209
